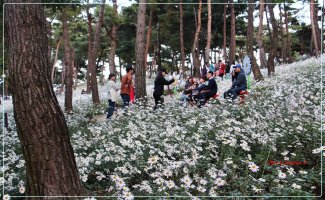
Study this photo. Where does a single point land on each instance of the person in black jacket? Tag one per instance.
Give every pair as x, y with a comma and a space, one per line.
158, 92
210, 90
239, 84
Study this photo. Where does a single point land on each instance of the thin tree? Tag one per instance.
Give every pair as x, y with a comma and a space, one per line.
140, 75
68, 80
148, 40
207, 48
92, 58
55, 59
288, 45
225, 31
195, 47
282, 34
181, 37
260, 36
232, 32
43, 133
250, 33
274, 40
90, 41
314, 26
111, 59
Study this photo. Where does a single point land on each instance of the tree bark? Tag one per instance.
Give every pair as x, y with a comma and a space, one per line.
43, 133
314, 26
288, 46
90, 41
140, 75
274, 41
148, 40
250, 33
112, 66
49, 34
195, 47
92, 59
282, 35
68, 80
260, 36
225, 32
55, 59
73, 68
207, 48
268, 24
233, 33
181, 38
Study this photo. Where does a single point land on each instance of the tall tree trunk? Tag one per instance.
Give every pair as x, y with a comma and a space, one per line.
232, 33
112, 67
274, 41
181, 38
318, 31
55, 59
49, 34
260, 36
76, 74
282, 35
73, 67
207, 48
101, 79
120, 66
43, 133
68, 80
288, 46
250, 33
314, 26
225, 32
62, 76
148, 40
158, 46
195, 47
90, 41
92, 59
140, 75
6, 84
268, 24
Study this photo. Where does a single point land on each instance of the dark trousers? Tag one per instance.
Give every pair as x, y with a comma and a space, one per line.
158, 100
126, 100
205, 96
111, 108
233, 92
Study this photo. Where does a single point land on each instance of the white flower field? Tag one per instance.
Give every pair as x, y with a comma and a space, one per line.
268, 146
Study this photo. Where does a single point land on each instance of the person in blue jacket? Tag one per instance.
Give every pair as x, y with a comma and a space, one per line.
238, 85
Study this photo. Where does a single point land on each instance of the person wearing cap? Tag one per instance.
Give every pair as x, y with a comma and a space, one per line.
126, 85
159, 83
238, 85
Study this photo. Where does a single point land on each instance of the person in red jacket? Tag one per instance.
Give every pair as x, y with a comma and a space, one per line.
222, 69
126, 85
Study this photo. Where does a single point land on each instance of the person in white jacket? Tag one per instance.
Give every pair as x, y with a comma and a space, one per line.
112, 95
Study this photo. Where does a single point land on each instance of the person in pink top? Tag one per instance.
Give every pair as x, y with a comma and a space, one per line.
222, 69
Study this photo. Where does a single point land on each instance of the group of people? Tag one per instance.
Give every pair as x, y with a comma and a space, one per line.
196, 91
202, 89
220, 69
126, 90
